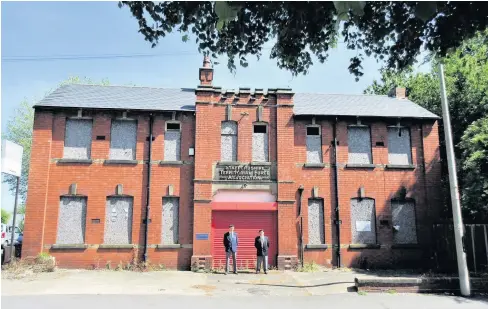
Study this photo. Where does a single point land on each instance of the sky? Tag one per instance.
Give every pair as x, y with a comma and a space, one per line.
54, 29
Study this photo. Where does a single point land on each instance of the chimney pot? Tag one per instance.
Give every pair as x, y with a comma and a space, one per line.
206, 62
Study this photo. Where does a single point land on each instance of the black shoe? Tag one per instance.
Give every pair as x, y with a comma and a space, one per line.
235, 273
265, 272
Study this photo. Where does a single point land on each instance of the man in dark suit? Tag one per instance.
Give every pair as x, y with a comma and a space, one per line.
230, 244
262, 245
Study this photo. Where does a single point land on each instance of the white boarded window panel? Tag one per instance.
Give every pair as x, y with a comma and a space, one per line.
260, 144
314, 145
399, 148
118, 221
123, 136
316, 230
363, 221
77, 139
359, 145
71, 220
172, 146
404, 223
228, 145
171, 206
314, 149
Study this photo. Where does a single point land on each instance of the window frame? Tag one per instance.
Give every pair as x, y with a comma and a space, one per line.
107, 219
171, 122
172, 130
409, 141
405, 200
225, 134
261, 123
84, 228
321, 143
111, 137
370, 142
66, 129
162, 226
323, 228
375, 220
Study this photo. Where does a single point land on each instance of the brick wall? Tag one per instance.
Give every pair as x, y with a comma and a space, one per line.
192, 181
50, 179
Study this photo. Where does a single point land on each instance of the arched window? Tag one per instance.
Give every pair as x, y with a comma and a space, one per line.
403, 221
260, 142
363, 221
172, 141
228, 141
316, 227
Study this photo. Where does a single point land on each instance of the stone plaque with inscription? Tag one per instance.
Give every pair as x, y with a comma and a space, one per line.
244, 172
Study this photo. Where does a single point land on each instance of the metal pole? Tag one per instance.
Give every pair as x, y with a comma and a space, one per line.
12, 250
456, 204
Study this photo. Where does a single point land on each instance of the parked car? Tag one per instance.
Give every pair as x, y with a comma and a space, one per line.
16, 235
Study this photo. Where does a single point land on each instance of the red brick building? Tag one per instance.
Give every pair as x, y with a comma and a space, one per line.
119, 174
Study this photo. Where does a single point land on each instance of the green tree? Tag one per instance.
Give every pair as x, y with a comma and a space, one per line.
19, 131
466, 72
394, 31
21, 213
474, 145
5, 216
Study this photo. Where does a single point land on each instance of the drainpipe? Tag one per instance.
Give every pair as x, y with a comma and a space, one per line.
300, 192
336, 187
148, 188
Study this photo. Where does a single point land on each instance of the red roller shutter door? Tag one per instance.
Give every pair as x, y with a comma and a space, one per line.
247, 224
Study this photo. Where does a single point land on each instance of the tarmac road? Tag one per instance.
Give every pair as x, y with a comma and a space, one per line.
350, 300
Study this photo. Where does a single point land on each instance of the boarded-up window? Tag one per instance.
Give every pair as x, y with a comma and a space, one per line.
77, 139
399, 149
171, 207
228, 144
359, 145
118, 221
260, 144
172, 142
314, 145
403, 221
316, 229
363, 221
123, 140
71, 220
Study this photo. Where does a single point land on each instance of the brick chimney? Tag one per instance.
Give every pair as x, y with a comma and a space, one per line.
398, 92
401, 92
206, 72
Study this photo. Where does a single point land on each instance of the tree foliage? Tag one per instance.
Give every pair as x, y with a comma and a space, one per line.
474, 145
466, 73
19, 131
393, 31
5, 216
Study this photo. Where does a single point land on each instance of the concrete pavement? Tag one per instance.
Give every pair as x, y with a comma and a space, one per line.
179, 283
351, 300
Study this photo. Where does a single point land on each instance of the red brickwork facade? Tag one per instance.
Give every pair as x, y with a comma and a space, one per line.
193, 181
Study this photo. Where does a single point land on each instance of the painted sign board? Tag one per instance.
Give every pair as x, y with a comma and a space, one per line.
201, 236
245, 172
11, 158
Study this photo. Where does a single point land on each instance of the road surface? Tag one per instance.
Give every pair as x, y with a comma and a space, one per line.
349, 300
